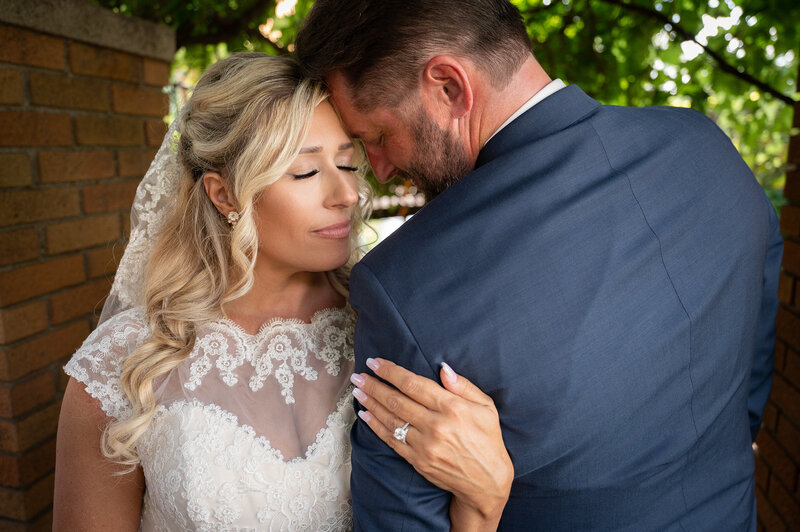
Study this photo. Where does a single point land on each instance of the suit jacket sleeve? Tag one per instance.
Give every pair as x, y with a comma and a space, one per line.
763, 360
388, 494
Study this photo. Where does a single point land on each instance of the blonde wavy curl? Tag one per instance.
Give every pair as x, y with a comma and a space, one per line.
246, 120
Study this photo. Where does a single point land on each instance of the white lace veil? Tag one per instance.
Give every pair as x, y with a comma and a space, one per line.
154, 195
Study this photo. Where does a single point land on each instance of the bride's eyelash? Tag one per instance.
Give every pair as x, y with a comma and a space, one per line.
306, 175
315, 172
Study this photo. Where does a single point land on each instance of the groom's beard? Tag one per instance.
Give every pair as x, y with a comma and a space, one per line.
440, 161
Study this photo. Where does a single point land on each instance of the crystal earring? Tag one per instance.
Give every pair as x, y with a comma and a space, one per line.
233, 218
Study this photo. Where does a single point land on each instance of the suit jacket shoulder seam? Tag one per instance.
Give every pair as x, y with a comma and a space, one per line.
671, 282
661, 252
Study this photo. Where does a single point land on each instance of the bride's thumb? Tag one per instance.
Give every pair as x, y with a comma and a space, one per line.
461, 386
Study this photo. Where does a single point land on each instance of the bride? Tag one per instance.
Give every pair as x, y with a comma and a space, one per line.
216, 392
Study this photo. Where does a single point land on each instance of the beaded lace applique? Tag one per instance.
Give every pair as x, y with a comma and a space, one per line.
279, 349
209, 458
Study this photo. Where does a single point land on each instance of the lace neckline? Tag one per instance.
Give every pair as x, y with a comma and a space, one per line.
320, 315
340, 418
282, 348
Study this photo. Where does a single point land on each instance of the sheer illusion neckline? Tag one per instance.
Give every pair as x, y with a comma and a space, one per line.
222, 416
250, 432
278, 321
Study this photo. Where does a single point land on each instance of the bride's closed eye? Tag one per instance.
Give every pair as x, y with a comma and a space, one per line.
306, 175
315, 172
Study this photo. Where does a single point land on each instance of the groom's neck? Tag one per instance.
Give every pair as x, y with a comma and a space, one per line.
497, 105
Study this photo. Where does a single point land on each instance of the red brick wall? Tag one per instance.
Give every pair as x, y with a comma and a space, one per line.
79, 125
778, 453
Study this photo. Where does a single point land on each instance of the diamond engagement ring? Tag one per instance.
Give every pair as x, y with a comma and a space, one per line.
400, 433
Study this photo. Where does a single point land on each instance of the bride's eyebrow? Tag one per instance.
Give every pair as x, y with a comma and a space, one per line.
318, 149
311, 149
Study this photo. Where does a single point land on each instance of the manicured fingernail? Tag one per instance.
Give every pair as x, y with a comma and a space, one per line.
449, 372
366, 416
373, 364
361, 396
357, 379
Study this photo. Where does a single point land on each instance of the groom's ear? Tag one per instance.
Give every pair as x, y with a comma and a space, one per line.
446, 85
217, 191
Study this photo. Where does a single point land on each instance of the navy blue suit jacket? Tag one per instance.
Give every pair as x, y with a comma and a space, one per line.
608, 275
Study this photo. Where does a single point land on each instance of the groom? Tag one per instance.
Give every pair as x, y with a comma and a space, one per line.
607, 274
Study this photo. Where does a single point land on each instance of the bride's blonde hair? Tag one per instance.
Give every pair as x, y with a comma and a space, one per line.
246, 120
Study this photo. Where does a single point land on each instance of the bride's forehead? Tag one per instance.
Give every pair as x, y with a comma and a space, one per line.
325, 131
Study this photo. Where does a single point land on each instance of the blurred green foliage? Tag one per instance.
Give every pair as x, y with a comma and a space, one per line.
639, 53
734, 60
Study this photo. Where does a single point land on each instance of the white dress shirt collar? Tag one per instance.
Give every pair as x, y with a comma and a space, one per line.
544, 92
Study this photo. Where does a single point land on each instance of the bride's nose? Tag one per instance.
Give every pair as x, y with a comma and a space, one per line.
342, 190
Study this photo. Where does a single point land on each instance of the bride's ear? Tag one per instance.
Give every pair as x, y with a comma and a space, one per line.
217, 191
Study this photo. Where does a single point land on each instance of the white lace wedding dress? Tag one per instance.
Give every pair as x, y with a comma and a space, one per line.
252, 430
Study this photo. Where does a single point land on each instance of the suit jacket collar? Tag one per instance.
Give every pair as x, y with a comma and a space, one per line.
555, 113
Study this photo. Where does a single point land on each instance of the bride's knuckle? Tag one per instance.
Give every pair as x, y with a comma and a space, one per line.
455, 409
368, 387
428, 454
393, 403
425, 468
410, 387
438, 432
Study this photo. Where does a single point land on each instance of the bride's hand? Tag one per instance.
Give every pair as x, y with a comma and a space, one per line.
453, 439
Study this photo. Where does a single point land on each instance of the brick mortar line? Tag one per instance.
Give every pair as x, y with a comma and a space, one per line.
786, 419
44, 109
33, 150
793, 385
793, 310
70, 75
50, 329
8, 454
31, 521
788, 453
29, 486
64, 254
773, 476
19, 419
26, 88
67, 63
41, 235
68, 39
41, 226
21, 380
34, 165
771, 504
55, 185
791, 491
76, 218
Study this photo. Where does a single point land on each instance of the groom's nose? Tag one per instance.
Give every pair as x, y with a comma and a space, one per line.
384, 170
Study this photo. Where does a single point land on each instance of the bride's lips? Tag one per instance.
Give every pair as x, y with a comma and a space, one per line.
340, 230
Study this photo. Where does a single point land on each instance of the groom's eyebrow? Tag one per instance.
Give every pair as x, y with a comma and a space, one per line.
318, 149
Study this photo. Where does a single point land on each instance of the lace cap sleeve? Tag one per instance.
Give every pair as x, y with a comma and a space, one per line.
98, 362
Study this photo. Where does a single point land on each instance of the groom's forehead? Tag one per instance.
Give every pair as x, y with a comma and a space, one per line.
342, 99
340, 87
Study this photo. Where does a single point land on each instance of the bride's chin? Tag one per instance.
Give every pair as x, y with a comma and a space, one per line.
331, 262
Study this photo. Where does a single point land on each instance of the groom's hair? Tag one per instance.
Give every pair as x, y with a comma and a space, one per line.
382, 46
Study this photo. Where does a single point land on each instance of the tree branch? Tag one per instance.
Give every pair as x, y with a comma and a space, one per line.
718, 58
536, 10
253, 35
226, 28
